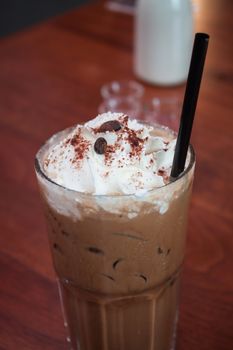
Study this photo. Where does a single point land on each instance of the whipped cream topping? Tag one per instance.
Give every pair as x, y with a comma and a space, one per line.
112, 155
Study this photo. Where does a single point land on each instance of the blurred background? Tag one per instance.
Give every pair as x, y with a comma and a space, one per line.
16, 15
21, 15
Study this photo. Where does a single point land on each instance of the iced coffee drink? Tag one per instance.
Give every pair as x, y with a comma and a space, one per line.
117, 231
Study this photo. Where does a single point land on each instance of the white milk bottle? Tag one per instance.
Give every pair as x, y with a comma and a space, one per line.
163, 40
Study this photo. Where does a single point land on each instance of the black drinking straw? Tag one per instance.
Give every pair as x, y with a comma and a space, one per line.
190, 102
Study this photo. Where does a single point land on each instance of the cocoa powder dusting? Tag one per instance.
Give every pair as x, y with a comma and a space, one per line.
46, 162
110, 149
135, 142
81, 147
125, 120
163, 173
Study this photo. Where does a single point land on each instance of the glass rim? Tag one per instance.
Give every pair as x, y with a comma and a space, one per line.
39, 170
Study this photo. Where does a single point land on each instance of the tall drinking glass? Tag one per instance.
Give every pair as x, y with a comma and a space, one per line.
118, 260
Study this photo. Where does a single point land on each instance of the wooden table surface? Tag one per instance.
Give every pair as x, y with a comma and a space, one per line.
50, 77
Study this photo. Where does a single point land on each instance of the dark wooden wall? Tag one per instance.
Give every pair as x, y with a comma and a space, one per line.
18, 14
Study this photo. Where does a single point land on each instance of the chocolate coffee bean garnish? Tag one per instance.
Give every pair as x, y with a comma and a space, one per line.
111, 125
100, 145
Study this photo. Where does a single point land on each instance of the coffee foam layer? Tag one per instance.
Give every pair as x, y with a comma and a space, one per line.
78, 206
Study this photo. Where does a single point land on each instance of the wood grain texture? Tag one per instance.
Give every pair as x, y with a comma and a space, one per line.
50, 78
